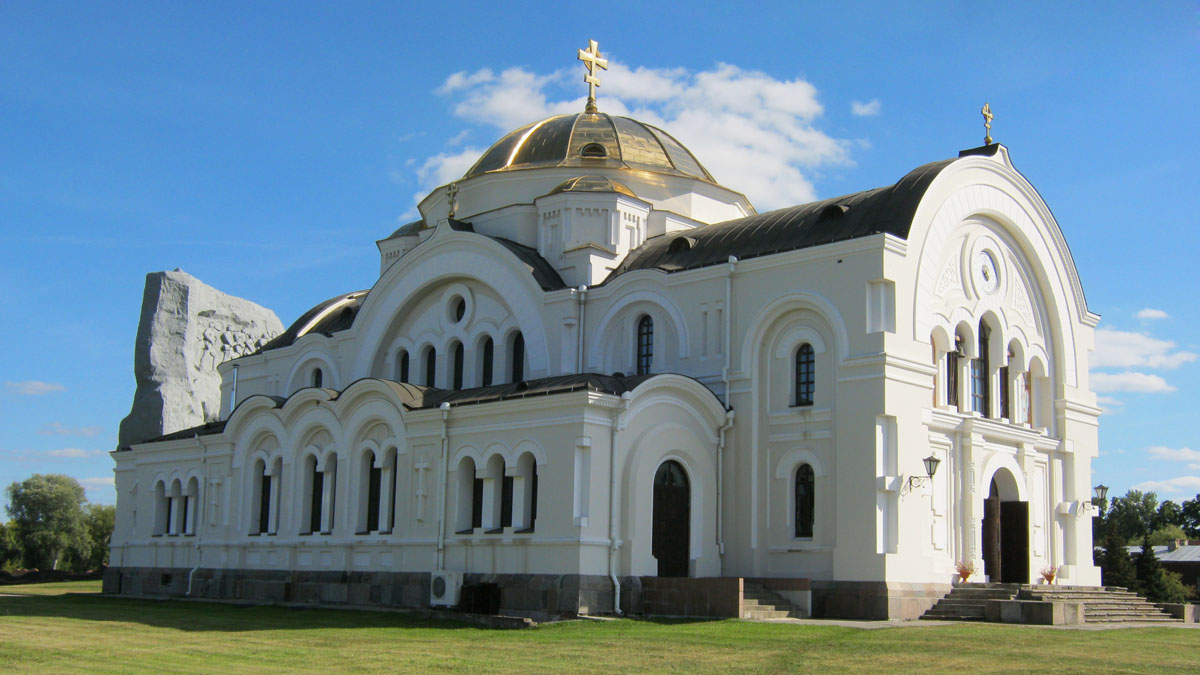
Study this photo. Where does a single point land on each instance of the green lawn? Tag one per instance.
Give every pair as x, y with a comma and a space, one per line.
44, 629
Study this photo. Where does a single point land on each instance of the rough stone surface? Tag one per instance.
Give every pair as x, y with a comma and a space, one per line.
186, 329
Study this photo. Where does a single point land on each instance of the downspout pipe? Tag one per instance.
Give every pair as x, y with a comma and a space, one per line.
613, 543
728, 328
443, 478
579, 360
200, 507
720, 483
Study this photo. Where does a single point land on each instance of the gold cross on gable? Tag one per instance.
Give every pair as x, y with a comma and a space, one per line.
452, 195
987, 123
591, 60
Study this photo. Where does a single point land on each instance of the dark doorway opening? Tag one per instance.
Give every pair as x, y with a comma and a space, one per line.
1005, 538
672, 518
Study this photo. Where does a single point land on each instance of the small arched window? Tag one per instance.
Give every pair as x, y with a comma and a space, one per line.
805, 501
402, 366
430, 366
488, 349
980, 394
952, 372
518, 358
458, 366
318, 377
644, 356
806, 375
593, 151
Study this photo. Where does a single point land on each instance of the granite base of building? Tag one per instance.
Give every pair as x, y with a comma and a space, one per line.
537, 596
878, 600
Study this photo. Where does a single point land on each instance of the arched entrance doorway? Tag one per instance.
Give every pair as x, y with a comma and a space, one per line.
1005, 532
672, 518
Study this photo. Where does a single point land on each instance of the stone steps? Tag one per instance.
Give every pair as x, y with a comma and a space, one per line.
1111, 604
760, 603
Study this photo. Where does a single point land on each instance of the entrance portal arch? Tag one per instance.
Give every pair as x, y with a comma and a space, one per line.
1005, 531
671, 535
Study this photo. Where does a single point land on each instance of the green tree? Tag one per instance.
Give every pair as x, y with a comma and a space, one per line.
1190, 515
1168, 514
46, 511
1152, 582
1131, 516
10, 547
1166, 534
1116, 569
99, 519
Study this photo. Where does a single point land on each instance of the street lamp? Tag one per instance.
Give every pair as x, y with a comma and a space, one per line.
1099, 493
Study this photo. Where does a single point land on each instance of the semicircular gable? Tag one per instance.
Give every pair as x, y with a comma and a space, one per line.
446, 258
980, 187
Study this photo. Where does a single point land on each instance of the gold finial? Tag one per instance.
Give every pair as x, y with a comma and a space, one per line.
987, 123
591, 60
452, 195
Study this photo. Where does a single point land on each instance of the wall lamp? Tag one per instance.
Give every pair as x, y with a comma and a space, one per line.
1099, 494
931, 467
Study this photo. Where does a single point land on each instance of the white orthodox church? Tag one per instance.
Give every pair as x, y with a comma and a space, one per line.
589, 365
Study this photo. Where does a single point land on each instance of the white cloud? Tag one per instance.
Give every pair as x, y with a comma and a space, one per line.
59, 429
1174, 454
97, 483
1127, 349
1152, 314
1129, 381
33, 387
99, 489
860, 109
1109, 405
746, 127
1171, 486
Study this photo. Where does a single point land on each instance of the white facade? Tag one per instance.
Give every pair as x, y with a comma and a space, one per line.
878, 311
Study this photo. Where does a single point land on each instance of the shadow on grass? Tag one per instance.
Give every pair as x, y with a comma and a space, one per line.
212, 616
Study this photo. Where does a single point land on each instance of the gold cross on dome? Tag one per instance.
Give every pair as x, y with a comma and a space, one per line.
591, 60
987, 123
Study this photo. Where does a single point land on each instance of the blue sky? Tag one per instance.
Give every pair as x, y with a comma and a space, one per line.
264, 147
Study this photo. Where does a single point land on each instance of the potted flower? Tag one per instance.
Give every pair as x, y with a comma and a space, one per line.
965, 569
1048, 574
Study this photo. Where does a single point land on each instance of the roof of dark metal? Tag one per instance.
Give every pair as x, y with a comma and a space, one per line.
560, 384
543, 272
416, 397
887, 209
334, 322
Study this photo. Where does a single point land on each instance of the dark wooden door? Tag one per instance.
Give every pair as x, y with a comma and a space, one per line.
672, 516
1014, 542
992, 559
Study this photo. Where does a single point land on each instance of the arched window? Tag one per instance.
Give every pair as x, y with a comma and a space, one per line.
518, 359
1005, 403
457, 381
318, 377
314, 483
469, 514
804, 501
644, 357
952, 372
162, 507
402, 366
372, 476
320, 486
525, 494
262, 499
806, 375
488, 349
980, 394
430, 366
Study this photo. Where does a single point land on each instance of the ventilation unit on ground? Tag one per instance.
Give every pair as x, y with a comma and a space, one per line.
445, 588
